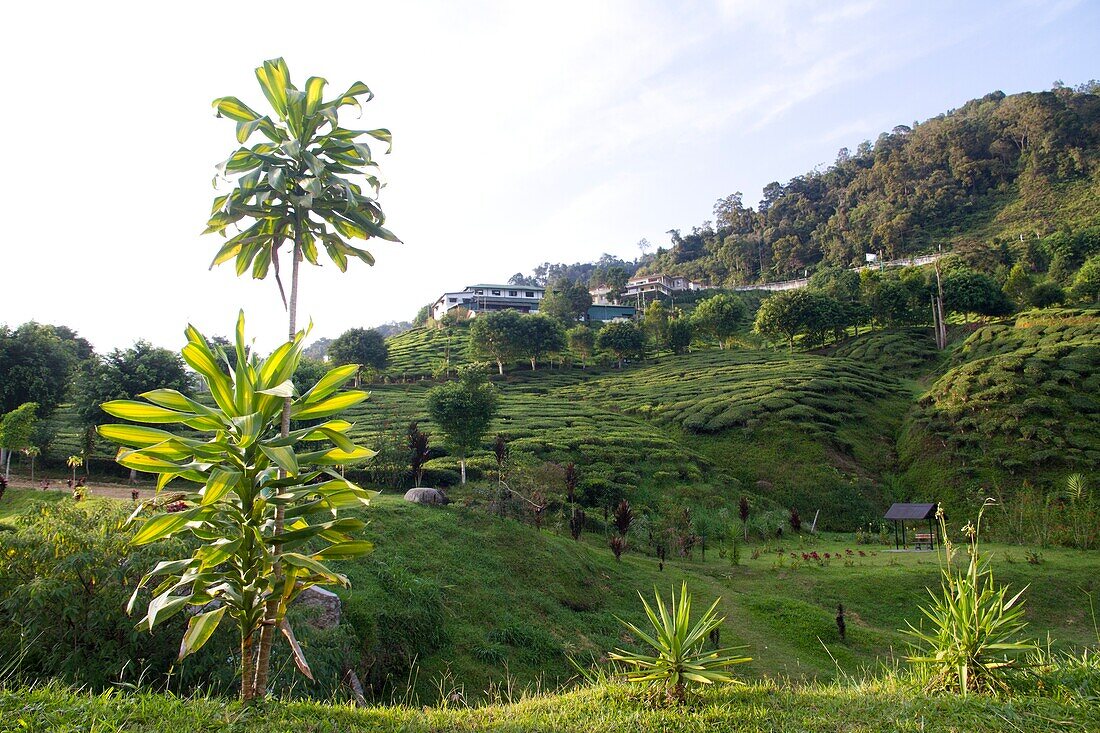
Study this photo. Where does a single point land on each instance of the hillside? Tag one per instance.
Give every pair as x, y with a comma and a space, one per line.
457, 599
975, 179
1018, 403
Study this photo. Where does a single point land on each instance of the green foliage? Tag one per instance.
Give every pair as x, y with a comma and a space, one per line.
719, 317
37, 362
678, 656
566, 300
623, 340
124, 374
540, 335
908, 351
246, 469
305, 184
791, 313
582, 341
1020, 404
364, 347
1086, 285
463, 410
17, 427
969, 292
420, 352
972, 641
680, 333
498, 336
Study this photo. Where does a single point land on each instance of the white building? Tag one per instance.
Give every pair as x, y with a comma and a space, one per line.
646, 287
479, 298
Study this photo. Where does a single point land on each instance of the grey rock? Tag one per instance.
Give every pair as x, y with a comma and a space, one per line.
427, 496
327, 604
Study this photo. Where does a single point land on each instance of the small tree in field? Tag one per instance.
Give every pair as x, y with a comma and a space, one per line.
463, 410
719, 317
365, 347
743, 513
624, 340
418, 451
16, 431
243, 470
581, 341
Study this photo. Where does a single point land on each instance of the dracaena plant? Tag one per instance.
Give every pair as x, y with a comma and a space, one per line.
678, 656
309, 182
241, 469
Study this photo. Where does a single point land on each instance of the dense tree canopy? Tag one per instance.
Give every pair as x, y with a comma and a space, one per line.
37, 362
540, 335
566, 300
124, 374
719, 317
624, 340
497, 336
363, 346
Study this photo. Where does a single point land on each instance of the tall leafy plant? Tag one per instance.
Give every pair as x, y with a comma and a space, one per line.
309, 184
969, 640
243, 470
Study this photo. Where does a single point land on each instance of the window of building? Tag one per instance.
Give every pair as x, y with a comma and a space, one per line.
479, 292
496, 292
530, 294
452, 300
512, 293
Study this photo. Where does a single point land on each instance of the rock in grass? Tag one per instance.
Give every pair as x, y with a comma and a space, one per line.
426, 496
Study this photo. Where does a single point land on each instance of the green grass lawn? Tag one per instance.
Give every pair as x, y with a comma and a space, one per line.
753, 708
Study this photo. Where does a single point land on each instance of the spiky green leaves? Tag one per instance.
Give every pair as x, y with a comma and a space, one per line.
233, 469
305, 183
678, 657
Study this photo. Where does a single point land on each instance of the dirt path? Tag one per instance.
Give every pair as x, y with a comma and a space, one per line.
114, 491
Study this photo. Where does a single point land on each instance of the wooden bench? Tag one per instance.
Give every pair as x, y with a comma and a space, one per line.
922, 538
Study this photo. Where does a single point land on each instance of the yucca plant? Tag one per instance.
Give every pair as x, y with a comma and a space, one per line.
242, 470
678, 657
969, 640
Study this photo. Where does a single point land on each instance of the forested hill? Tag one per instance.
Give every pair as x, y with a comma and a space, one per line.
974, 178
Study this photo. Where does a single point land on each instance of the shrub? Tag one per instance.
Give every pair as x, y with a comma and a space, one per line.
972, 641
678, 656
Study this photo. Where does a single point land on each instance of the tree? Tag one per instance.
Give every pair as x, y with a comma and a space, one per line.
566, 300
624, 340
419, 451
540, 335
966, 292
655, 323
581, 340
1086, 285
1018, 285
780, 315
497, 336
364, 347
242, 468
1046, 294
124, 374
16, 431
305, 185
680, 333
36, 364
462, 410
719, 317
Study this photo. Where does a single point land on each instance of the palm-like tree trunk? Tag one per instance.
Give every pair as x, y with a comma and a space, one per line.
267, 632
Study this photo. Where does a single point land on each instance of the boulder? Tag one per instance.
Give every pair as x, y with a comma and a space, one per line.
426, 496
327, 604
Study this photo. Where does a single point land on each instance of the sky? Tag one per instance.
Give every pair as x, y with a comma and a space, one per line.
523, 133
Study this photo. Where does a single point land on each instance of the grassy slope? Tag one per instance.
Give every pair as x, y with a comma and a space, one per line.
506, 600
1019, 402
753, 708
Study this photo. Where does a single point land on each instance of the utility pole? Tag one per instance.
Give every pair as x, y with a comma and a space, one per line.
937, 309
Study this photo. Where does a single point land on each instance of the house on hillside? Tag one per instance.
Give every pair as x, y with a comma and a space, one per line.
480, 298
646, 287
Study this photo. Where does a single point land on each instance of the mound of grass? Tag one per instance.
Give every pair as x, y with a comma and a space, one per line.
1024, 405
421, 352
908, 351
1035, 329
